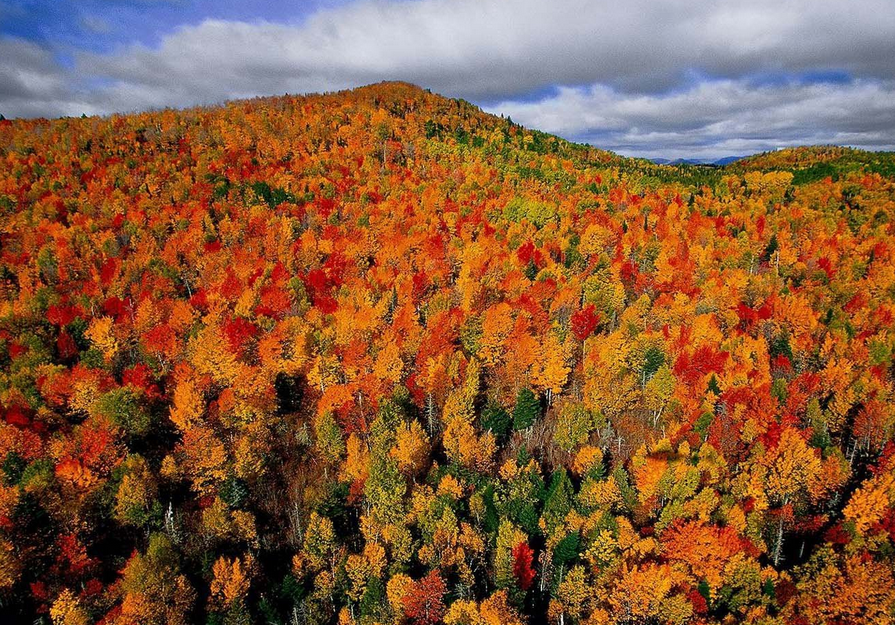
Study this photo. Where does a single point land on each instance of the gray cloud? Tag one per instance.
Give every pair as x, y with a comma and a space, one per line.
718, 118
491, 49
628, 56
32, 84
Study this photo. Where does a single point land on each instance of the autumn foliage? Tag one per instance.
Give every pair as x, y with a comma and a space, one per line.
378, 357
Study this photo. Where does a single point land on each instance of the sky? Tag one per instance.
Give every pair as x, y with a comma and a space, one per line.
652, 78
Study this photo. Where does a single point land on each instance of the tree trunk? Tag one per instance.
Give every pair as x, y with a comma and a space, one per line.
779, 546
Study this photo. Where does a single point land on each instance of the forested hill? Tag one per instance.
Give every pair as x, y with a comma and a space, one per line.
379, 357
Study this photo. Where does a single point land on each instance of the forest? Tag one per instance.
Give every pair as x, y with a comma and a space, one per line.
378, 357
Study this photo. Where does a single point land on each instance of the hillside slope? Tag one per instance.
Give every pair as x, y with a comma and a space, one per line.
379, 357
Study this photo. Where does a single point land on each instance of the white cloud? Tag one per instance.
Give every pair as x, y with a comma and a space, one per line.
494, 48
718, 118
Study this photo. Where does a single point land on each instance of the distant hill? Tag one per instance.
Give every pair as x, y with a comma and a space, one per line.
689, 161
727, 160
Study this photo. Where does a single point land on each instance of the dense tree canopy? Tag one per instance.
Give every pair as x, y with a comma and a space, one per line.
378, 357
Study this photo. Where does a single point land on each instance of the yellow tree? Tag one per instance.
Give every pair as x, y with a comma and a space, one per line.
153, 588
67, 610
871, 502
411, 448
844, 590
792, 469
550, 371
462, 442
230, 582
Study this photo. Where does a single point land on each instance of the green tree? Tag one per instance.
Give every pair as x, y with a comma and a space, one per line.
527, 410
559, 499
122, 406
496, 419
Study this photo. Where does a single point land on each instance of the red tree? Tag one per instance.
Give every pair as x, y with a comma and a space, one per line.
424, 605
522, 570
584, 322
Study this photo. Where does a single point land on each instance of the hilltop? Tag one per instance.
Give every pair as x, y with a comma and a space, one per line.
377, 356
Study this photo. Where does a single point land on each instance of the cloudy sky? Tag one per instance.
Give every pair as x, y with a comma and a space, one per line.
669, 78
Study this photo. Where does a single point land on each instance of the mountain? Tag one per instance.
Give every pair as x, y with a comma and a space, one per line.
376, 356
727, 160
